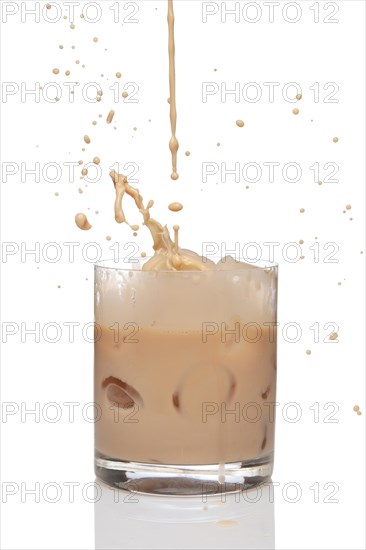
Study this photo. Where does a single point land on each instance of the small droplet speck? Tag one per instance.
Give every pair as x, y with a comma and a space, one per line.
110, 117
226, 522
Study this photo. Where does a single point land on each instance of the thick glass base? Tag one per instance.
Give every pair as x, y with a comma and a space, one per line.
183, 480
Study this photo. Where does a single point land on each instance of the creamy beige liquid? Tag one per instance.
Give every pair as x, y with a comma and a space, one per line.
82, 222
168, 256
173, 144
156, 376
166, 386
110, 117
175, 206
173, 382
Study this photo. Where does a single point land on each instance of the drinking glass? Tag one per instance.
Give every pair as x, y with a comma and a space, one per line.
185, 376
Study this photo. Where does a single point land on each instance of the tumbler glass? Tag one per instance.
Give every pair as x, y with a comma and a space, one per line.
185, 377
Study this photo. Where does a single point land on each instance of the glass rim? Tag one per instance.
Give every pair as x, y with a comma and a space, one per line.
135, 265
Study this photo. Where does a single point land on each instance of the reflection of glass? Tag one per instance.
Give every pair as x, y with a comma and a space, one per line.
185, 377
242, 520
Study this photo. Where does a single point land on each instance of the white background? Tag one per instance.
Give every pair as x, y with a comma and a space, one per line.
36, 450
